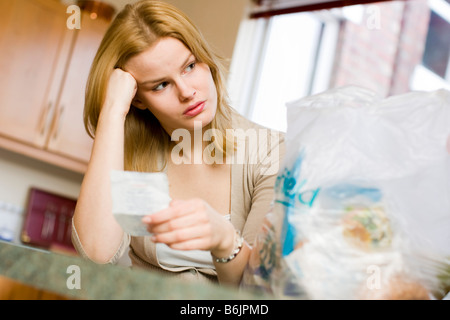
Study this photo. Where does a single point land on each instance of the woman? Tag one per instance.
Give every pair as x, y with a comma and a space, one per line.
154, 74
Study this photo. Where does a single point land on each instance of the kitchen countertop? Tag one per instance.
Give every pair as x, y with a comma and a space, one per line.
55, 272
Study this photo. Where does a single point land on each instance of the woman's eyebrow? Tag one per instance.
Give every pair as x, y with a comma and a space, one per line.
164, 78
152, 81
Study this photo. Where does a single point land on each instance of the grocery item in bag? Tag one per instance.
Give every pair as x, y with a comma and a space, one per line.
362, 204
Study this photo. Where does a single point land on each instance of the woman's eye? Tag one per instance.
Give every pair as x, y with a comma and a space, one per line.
190, 67
161, 86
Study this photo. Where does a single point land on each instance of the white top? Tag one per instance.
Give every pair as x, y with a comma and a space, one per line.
171, 258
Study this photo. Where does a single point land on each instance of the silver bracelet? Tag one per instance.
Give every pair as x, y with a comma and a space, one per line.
238, 242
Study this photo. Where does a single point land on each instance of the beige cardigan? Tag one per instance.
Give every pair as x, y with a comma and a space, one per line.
252, 193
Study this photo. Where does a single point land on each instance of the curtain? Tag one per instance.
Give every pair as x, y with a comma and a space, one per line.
269, 8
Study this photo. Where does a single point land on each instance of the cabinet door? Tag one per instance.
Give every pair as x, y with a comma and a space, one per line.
13, 290
33, 36
68, 136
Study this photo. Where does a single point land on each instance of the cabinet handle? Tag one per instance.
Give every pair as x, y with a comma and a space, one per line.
44, 118
58, 122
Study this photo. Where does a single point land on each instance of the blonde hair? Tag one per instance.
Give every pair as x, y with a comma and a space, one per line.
133, 31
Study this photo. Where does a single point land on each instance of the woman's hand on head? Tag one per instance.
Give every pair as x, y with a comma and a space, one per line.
122, 88
192, 225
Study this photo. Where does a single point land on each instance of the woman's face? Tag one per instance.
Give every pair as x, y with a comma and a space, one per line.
173, 85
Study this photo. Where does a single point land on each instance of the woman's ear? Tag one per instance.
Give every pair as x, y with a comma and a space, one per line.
136, 102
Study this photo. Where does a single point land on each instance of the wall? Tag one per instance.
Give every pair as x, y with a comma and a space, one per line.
381, 51
18, 173
218, 20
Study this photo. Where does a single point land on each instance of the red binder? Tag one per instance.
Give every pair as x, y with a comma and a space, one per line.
48, 221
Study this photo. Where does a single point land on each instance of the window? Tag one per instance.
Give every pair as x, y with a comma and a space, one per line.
434, 72
438, 37
281, 59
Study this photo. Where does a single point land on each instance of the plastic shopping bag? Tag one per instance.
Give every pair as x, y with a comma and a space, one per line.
362, 203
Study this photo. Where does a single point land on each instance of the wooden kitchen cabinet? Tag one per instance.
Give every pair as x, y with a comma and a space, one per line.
33, 40
13, 290
45, 66
68, 135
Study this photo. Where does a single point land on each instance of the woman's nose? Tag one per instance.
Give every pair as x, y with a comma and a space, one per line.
186, 91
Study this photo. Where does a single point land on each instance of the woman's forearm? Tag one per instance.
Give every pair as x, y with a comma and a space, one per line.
97, 229
231, 272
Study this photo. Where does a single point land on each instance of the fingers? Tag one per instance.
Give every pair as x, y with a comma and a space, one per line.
183, 220
184, 225
195, 237
176, 210
122, 88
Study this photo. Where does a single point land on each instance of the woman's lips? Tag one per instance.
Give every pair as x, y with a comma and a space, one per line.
194, 110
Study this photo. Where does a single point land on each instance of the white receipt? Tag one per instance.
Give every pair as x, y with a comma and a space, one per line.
137, 194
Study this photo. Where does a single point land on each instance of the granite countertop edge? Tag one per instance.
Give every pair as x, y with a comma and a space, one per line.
78, 278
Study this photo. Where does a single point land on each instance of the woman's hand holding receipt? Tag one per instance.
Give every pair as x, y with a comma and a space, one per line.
192, 225
195, 225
